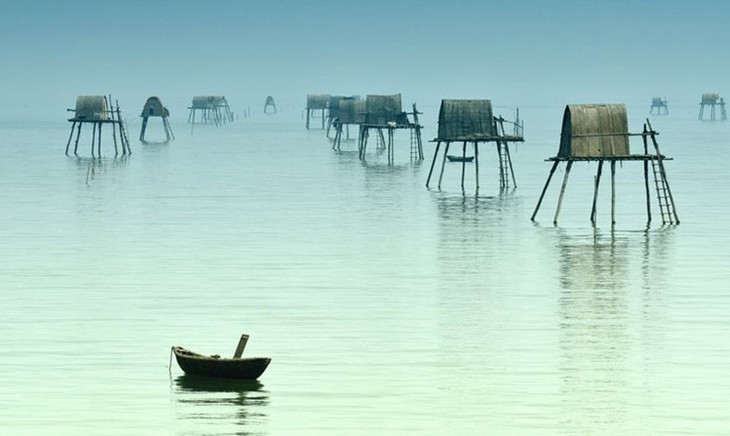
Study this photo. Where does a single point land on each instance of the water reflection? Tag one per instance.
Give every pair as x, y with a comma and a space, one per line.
607, 326
220, 406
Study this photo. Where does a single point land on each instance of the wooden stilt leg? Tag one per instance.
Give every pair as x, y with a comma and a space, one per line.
544, 189
78, 135
613, 192
93, 138
433, 162
443, 163
144, 128
476, 162
562, 191
98, 143
463, 164
70, 136
595, 191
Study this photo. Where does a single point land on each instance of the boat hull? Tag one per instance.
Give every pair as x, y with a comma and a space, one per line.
249, 368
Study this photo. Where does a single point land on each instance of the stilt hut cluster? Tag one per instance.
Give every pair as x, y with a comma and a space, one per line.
269, 105
471, 122
599, 133
97, 111
712, 101
154, 108
659, 106
317, 105
384, 112
210, 109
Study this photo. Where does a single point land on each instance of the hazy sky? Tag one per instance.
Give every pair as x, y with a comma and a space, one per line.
515, 52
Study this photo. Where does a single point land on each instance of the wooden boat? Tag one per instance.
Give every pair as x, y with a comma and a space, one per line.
459, 158
248, 368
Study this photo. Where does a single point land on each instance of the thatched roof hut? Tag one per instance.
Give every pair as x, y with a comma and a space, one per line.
318, 101
154, 108
209, 102
383, 109
91, 108
594, 130
710, 98
465, 120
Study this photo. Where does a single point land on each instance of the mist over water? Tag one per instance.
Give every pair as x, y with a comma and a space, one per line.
386, 307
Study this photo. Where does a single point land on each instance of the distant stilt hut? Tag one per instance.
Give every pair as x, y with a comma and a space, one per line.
212, 109
97, 110
269, 106
340, 121
473, 122
154, 108
317, 105
712, 100
599, 132
659, 106
385, 112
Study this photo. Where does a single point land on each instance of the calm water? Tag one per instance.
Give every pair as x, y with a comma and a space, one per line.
387, 308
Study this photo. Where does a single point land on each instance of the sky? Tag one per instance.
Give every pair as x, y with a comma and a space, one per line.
517, 53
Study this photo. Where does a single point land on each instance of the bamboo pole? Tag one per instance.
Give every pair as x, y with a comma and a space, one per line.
476, 162
595, 191
443, 163
433, 162
70, 136
562, 191
241, 345
613, 192
93, 138
544, 189
463, 164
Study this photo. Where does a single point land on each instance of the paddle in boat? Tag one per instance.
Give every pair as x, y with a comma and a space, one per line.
241, 368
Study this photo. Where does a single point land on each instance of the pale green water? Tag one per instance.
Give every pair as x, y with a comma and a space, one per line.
386, 308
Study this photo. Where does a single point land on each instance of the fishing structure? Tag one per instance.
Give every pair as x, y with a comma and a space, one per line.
472, 122
599, 133
712, 101
659, 106
211, 109
317, 105
96, 110
385, 112
344, 112
153, 107
269, 105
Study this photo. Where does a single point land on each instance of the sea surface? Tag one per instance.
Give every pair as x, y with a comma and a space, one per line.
386, 307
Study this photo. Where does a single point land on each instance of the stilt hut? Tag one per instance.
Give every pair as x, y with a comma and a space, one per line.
385, 112
712, 101
472, 122
342, 114
97, 111
599, 133
659, 106
269, 105
210, 109
317, 105
154, 108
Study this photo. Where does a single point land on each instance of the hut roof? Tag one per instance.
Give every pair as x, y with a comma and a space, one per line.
154, 108
208, 101
594, 130
334, 104
658, 101
382, 109
710, 98
269, 100
91, 107
317, 101
351, 111
466, 120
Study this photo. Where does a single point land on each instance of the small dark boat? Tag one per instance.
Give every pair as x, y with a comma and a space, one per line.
459, 158
248, 368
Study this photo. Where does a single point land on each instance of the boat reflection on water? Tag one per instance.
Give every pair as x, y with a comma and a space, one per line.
205, 405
